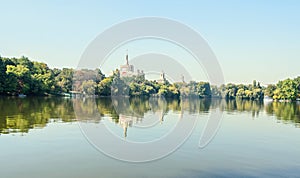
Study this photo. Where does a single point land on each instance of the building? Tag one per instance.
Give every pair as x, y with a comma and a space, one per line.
127, 70
162, 78
140, 73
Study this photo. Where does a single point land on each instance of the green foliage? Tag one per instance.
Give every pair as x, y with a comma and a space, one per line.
169, 91
119, 87
20, 75
286, 90
141, 87
215, 92
104, 87
297, 80
194, 89
240, 91
63, 79
26, 77
88, 87
269, 91
43, 79
2, 76
203, 89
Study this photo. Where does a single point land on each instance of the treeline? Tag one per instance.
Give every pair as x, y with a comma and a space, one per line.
288, 89
22, 76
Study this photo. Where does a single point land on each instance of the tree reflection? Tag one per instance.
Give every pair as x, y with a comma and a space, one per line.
23, 114
286, 112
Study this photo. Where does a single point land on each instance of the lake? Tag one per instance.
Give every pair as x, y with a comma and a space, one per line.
52, 137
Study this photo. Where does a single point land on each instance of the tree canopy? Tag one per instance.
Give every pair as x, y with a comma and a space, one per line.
22, 76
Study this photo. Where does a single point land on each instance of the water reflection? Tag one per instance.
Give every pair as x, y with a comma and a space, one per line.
23, 114
286, 112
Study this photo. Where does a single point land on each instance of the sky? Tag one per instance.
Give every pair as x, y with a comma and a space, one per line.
251, 39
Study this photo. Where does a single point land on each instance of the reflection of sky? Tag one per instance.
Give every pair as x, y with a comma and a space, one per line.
252, 40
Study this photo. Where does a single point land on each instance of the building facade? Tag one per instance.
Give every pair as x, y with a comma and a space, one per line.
127, 70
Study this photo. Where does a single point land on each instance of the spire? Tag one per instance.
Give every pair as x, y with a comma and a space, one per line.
182, 78
127, 63
162, 75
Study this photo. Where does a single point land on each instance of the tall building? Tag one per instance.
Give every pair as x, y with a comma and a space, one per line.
126, 70
162, 78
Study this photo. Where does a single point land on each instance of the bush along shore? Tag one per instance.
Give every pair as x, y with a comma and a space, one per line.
21, 77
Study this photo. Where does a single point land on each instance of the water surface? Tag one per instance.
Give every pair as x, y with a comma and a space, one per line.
41, 137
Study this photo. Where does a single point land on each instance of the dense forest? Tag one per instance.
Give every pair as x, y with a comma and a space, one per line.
23, 76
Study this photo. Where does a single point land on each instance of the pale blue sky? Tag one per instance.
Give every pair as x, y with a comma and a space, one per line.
252, 40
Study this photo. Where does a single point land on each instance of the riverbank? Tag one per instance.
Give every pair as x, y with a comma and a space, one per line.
21, 76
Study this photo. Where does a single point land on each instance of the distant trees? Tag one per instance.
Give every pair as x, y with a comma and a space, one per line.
269, 91
145, 88
104, 87
2, 76
63, 79
22, 76
194, 89
286, 90
241, 91
168, 90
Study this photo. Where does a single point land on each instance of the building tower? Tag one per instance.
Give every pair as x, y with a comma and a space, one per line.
162, 78
126, 70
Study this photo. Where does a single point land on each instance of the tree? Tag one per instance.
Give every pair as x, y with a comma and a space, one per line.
88, 87
241, 93
42, 79
269, 91
173, 91
203, 89
192, 89
215, 92
2, 76
254, 83
229, 92
297, 80
22, 74
286, 90
163, 91
104, 87
24, 61
64, 79
79, 76
258, 94
119, 87
99, 75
